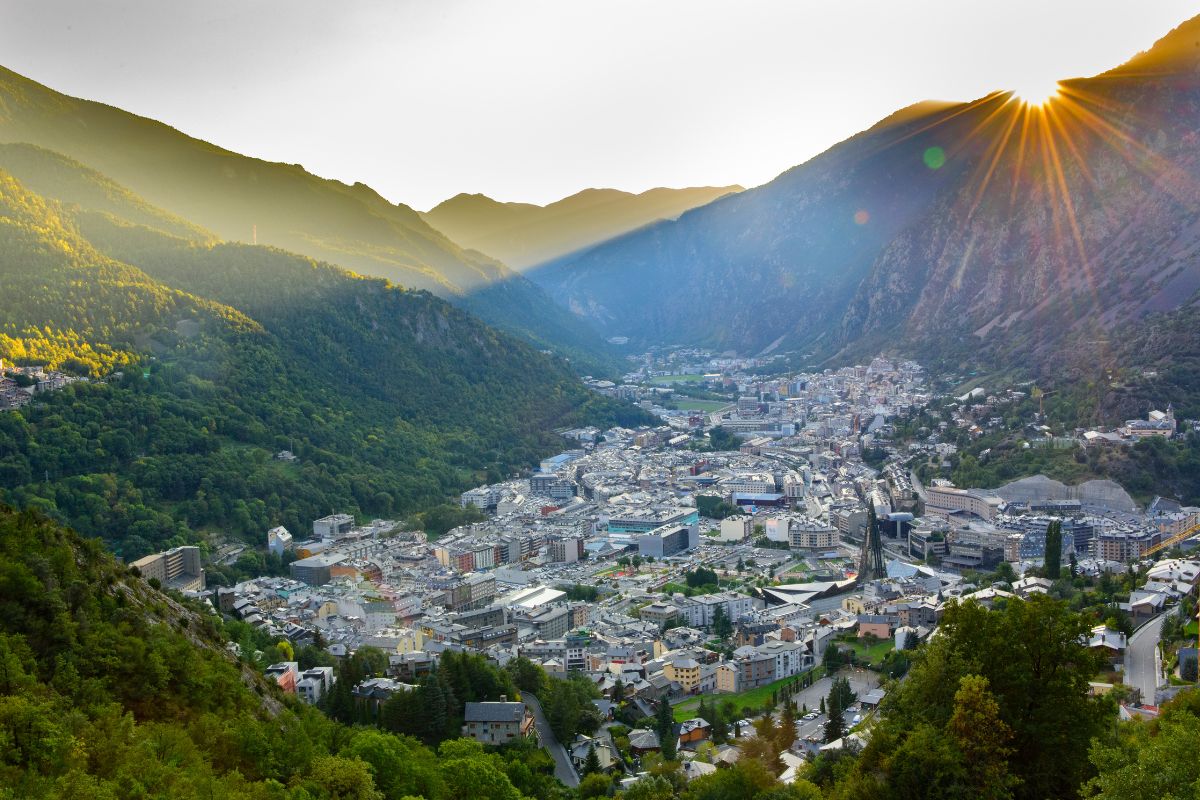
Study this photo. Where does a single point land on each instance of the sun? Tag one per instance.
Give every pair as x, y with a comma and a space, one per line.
1035, 91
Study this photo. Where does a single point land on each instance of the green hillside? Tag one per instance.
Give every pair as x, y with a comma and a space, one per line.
112, 690
244, 199
393, 399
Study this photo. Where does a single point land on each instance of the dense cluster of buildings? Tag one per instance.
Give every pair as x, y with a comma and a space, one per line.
584, 566
18, 385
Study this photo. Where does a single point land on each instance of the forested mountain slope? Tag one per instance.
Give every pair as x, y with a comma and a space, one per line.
393, 399
111, 689
243, 199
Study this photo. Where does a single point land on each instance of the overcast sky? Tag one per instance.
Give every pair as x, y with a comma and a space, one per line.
533, 101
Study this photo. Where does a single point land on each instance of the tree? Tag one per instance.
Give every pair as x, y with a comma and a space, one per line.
594, 785
651, 787
1156, 760
722, 439
1053, 560
787, 726
618, 690
832, 660
1040, 689
344, 778
835, 726
982, 737
665, 726
722, 627
591, 763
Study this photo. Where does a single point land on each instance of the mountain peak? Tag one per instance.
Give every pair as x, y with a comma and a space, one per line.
523, 234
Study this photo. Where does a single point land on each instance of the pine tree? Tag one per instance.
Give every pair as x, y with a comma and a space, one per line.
722, 627
835, 726
618, 690
1053, 562
665, 726
787, 726
591, 764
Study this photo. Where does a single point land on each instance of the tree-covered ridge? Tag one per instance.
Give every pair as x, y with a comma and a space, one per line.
53, 175
245, 199
68, 305
112, 690
392, 399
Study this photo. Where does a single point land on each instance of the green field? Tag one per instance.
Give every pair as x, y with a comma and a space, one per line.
689, 378
692, 404
868, 654
753, 697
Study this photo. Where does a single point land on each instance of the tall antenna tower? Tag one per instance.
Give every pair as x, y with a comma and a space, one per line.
870, 561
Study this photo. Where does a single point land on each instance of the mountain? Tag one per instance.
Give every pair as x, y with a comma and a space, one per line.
523, 235
227, 353
243, 199
989, 230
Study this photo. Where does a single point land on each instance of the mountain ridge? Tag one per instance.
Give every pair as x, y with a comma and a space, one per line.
525, 234
216, 355
240, 198
989, 228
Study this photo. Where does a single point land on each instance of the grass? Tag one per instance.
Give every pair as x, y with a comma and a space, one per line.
868, 653
1191, 629
755, 698
689, 378
692, 404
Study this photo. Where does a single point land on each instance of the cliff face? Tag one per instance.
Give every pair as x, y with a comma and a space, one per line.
1087, 222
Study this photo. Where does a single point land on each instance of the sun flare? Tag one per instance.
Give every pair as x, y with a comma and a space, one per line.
1035, 92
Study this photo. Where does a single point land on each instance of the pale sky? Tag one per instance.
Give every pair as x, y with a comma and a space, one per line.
533, 101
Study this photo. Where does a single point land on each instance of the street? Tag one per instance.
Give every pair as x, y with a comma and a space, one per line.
563, 769
1141, 657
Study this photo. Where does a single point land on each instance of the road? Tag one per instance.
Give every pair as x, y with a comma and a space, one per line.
1141, 657
918, 487
563, 769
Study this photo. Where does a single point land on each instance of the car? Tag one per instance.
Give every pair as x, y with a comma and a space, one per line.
810, 716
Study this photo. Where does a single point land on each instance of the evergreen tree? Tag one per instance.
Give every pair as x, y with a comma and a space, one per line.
720, 725
835, 726
1053, 561
982, 738
665, 726
787, 726
722, 627
591, 764
618, 690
